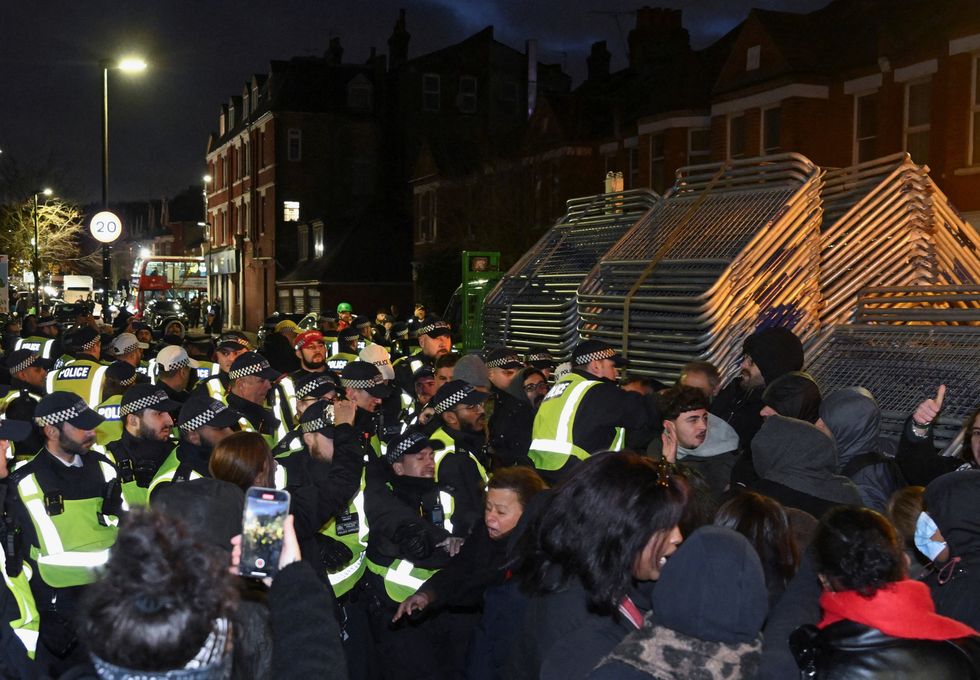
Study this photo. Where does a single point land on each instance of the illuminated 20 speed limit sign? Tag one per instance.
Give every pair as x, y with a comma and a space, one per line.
105, 227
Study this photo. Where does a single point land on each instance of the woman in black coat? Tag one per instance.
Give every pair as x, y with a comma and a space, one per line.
876, 622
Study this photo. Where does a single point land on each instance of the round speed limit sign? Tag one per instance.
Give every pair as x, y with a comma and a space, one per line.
105, 227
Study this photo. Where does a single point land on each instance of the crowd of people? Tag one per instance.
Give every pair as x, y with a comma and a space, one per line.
488, 515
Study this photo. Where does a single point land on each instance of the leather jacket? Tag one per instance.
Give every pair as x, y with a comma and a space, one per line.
852, 651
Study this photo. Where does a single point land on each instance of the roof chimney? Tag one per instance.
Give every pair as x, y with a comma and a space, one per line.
398, 42
598, 61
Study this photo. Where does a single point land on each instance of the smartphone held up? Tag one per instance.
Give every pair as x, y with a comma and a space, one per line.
262, 531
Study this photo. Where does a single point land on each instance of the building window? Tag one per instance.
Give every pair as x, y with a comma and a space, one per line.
262, 214
304, 242
299, 302
318, 240
244, 160
634, 163
918, 111
753, 57
285, 301
290, 211
698, 146
975, 115
261, 142
359, 93
771, 130
658, 165
736, 136
225, 169
314, 296
294, 144
865, 126
426, 206
431, 92
466, 99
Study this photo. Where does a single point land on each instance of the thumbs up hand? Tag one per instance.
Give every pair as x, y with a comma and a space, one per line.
927, 411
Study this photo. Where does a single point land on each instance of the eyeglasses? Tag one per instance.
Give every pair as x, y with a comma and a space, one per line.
473, 407
536, 387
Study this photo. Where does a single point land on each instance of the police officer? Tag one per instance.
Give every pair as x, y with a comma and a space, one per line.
364, 385
126, 347
44, 341
19, 618
68, 507
396, 406
513, 416
413, 534
585, 412
200, 348
310, 389
462, 463
145, 442
119, 377
425, 389
203, 423
541, 359
173, 372
84, 374
231, 345
28, 370
250, 382
312, 355
435, 339
346, 352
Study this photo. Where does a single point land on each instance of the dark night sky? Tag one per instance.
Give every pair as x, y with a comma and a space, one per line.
200, 52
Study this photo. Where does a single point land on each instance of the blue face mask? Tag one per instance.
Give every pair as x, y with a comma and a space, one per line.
925, 529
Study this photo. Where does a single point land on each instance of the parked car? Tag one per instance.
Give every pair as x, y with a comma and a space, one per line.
304, 321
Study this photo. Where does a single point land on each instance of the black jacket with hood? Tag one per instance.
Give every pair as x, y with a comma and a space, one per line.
953, 502
853, 417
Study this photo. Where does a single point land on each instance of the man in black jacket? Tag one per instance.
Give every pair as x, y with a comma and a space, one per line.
250, 380
28, 371
513, 417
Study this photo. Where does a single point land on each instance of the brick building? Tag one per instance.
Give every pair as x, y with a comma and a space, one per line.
855, 80
296, 206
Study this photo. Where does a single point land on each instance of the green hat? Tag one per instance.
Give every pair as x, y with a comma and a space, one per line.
344, 307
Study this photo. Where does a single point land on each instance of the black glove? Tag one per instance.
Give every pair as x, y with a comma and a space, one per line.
413, 541
334, 555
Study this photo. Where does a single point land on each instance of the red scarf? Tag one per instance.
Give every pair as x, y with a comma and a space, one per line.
903, 609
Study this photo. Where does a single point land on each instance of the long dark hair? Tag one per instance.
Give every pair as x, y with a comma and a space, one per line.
764, 522
596, 524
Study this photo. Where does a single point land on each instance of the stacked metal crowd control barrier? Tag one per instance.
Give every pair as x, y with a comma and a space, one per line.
534, 304
731, 246
887, 224
905, 342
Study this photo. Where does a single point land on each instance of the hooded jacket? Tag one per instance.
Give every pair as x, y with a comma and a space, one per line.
707, 626
853, 417
797, 464
794, 395
953, 502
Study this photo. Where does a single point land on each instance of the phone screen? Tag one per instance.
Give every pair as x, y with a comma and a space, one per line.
262, 530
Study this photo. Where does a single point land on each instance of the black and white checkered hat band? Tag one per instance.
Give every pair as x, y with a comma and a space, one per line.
92, 343
607, 353
540, 357
62, 416
25, 364
428, 328
128, 348
204, 418
248, 370
180, 363
148, 401
451, 400
313, 385
396, 452
503, 361
362, 384
128, 381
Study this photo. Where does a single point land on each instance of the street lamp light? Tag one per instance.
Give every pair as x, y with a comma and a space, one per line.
35, 263
126, 65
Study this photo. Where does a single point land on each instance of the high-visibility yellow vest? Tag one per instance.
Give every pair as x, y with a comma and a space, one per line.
352, 530
450, 447
112, 428
25, 626
74, 542
82, 377
36, 343
402, 578
554, 423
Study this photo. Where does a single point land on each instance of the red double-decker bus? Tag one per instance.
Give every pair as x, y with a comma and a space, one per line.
168, 277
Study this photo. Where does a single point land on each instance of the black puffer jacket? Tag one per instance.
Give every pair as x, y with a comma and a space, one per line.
852, 651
